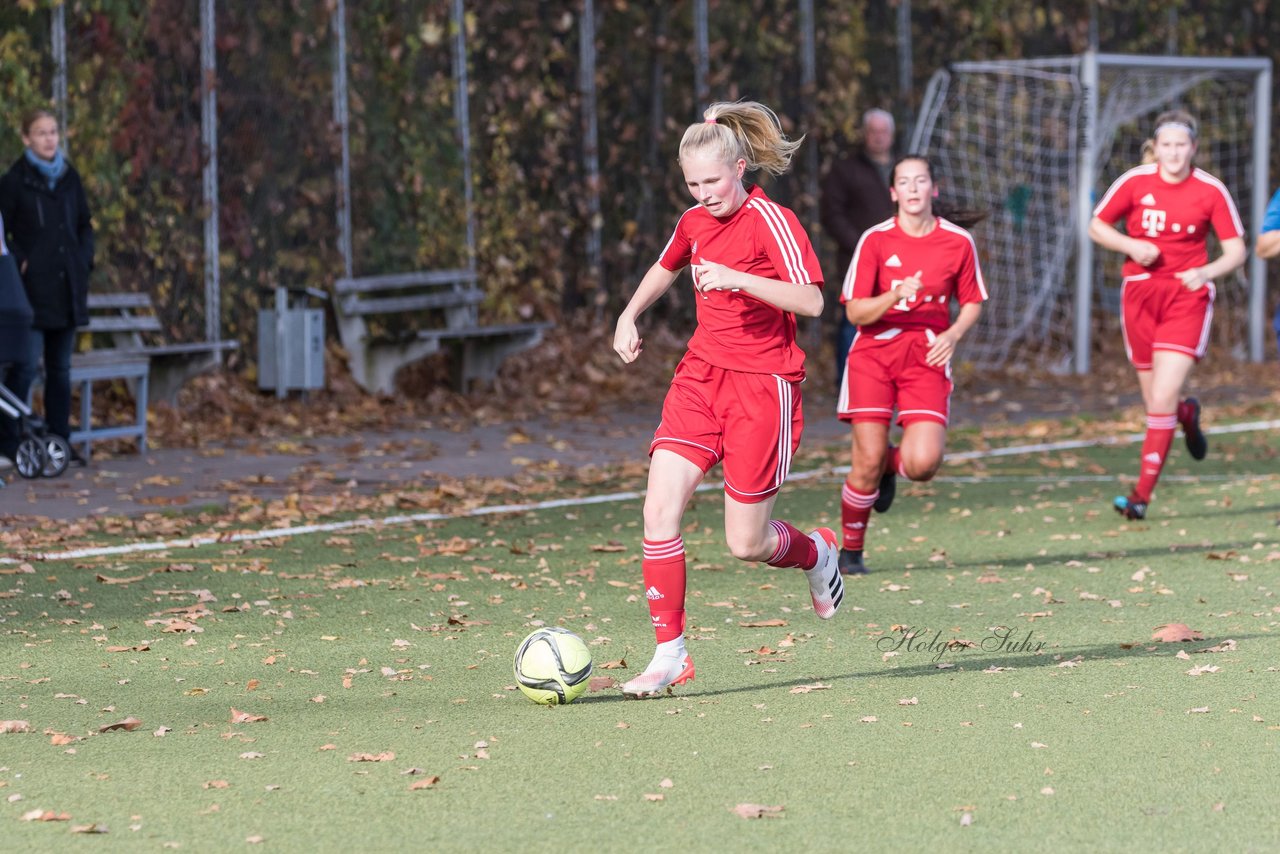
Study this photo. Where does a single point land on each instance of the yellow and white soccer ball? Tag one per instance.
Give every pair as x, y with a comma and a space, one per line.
553, 666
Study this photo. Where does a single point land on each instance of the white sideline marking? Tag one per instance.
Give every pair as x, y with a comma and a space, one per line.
349, 524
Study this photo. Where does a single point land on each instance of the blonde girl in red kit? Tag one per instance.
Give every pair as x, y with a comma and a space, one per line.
1166, 296
735, 397
905, 275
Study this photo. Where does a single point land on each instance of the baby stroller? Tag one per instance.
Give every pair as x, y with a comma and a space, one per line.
35, 451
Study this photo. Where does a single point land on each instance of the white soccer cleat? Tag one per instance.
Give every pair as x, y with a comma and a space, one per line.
663, 671
826, 587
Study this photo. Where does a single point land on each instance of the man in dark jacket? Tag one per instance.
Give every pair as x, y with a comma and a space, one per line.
48, 230
855, 196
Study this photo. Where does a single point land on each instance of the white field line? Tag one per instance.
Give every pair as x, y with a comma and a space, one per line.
495, 509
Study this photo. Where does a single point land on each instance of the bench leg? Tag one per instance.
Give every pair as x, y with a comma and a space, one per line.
140, 402
86, 414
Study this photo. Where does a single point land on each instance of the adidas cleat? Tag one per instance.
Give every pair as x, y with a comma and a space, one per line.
1130, 508
888, 487
1197, 444
826, 587
851, 562
662, 673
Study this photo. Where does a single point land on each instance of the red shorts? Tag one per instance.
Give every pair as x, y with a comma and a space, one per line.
888, 370
1161, 314
751, 422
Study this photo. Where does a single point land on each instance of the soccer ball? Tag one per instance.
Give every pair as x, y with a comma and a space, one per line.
553, 666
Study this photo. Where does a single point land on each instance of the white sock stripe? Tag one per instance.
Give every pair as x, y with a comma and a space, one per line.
1162, 422
784, 540
861, 500
664, 551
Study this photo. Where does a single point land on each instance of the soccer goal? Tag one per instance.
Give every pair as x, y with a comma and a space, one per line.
1035, 142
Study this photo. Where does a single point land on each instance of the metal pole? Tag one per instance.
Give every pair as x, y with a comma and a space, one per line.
906, 61
58, 34
1084, 210
462, 116
341, 119
209, 142
1261, 152
590, 147
808, 92
701, 59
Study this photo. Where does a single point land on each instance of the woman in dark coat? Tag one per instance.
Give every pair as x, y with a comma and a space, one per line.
47, 228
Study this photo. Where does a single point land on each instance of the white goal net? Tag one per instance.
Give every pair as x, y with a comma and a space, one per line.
1011, 138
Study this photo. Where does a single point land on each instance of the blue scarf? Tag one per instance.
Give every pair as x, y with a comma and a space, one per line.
51, 169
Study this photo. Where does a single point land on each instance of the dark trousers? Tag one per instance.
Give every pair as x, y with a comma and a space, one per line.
55, 347
844, 340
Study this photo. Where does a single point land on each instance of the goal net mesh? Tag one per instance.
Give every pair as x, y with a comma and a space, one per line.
1005, 138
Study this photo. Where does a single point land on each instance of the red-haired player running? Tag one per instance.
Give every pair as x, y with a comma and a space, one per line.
735, 397
1166, 295
905, 275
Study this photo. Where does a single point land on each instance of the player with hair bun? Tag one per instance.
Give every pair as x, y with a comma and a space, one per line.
905, 275
735, 396
1167, 290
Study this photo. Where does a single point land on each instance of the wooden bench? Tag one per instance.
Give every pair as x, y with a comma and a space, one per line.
127, 344
417, 314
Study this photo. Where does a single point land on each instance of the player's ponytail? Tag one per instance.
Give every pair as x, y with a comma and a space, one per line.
963, 217
745, 130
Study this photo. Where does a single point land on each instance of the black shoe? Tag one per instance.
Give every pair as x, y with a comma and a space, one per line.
888, 487
1197, 444
1130, 508
851, 562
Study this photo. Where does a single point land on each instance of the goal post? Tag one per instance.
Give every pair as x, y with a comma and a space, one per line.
1035, 142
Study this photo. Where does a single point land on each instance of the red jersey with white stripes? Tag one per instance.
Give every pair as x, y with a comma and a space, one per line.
736, 331
1175, 217
949, 271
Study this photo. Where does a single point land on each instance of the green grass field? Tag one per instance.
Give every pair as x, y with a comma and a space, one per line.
1064, 726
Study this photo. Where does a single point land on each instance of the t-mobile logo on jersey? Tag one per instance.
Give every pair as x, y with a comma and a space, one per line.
1152, 221
903, 304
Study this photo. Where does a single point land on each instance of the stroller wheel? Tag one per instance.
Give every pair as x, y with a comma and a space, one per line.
57, 455
29, 458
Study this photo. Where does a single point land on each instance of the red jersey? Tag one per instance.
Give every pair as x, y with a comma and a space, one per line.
947, 259
736, 331
1175, 217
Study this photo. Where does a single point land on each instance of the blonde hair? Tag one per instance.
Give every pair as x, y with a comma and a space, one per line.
746, 130
1148, 151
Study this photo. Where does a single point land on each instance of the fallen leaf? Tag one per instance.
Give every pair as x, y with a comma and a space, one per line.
1199, 710
45, 815
129, 724
654, 797
239, 717
142, 647
763, 624
385, 756
666, 783
216, 784
61, 739
424, 783
909, 702
1227, 645
1204, 668
1176, 633
620, 664
868, 719
250, 754
757, 811
14, 726
601, 683
89, 828
107, 579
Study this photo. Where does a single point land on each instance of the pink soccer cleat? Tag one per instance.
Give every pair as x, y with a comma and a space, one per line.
663, 672
826, 587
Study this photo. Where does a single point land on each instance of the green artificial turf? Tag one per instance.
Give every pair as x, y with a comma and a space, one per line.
1064, 726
